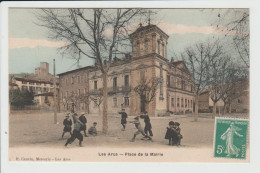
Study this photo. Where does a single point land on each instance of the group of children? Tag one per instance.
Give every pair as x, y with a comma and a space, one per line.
173, 132
80, 124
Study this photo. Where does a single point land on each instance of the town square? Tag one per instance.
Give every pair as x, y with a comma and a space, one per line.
83, 79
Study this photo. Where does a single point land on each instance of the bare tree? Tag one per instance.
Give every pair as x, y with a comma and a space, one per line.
196, 59
147, 89
98, 34
238, 87
97, 99
235, 24
65, 102
73, 99
86, 100
221, 73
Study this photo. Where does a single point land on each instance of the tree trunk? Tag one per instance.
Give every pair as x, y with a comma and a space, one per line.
225, 109
105, 123
99, 112
214, 109
196, 108
230, 108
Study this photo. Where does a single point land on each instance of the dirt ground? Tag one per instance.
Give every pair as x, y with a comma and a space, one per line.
39, 130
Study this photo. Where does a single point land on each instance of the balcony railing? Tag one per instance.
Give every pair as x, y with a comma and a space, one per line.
123, 89
111, 90
96, 91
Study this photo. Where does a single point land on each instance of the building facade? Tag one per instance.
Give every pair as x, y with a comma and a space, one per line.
40, 82
239, 103
83, 87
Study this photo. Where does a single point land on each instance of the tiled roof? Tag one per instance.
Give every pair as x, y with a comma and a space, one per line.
31, 80
75, 70
142, 28
176, 63
12, 84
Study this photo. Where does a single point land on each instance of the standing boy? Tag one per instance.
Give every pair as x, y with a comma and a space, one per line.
178, 132
123, 118
171, 133
139, 129
83, 119
148, 125
76, 132
67, 125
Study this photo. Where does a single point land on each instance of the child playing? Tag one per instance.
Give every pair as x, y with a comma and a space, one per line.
92, 130
76, 132
171, 133
83, 119
148, 125
67, 125
178, 132
139, 129
123, 118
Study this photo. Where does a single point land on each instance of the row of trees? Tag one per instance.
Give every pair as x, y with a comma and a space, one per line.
146, 89
211, 64
74, 100
213, 70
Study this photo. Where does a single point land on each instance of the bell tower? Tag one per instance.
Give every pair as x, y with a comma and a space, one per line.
149, 59
148, 40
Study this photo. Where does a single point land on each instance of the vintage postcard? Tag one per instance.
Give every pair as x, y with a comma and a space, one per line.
126, 84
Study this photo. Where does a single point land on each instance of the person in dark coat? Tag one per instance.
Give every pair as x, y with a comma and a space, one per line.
178, 132
148, 125
83, 119
171, 134
67, 125
76, 131
123, 118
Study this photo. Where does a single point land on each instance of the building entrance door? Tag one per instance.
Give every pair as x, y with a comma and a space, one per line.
142, 103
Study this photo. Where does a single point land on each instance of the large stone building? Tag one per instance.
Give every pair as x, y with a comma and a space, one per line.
83, 86
39, 83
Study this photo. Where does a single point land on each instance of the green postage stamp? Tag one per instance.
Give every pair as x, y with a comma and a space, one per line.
230, 138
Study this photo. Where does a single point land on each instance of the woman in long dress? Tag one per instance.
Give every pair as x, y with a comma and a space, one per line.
231, 149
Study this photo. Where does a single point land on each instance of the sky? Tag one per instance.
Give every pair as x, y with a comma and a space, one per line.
29, 43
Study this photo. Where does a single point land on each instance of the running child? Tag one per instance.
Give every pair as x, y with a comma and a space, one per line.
67, 125
139, 128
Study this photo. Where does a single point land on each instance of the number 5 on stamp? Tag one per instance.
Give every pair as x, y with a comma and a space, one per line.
230, 138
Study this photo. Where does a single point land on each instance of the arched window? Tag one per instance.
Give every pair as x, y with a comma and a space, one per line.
137, 48
163, 52
146, 42
153, 42
158, 47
